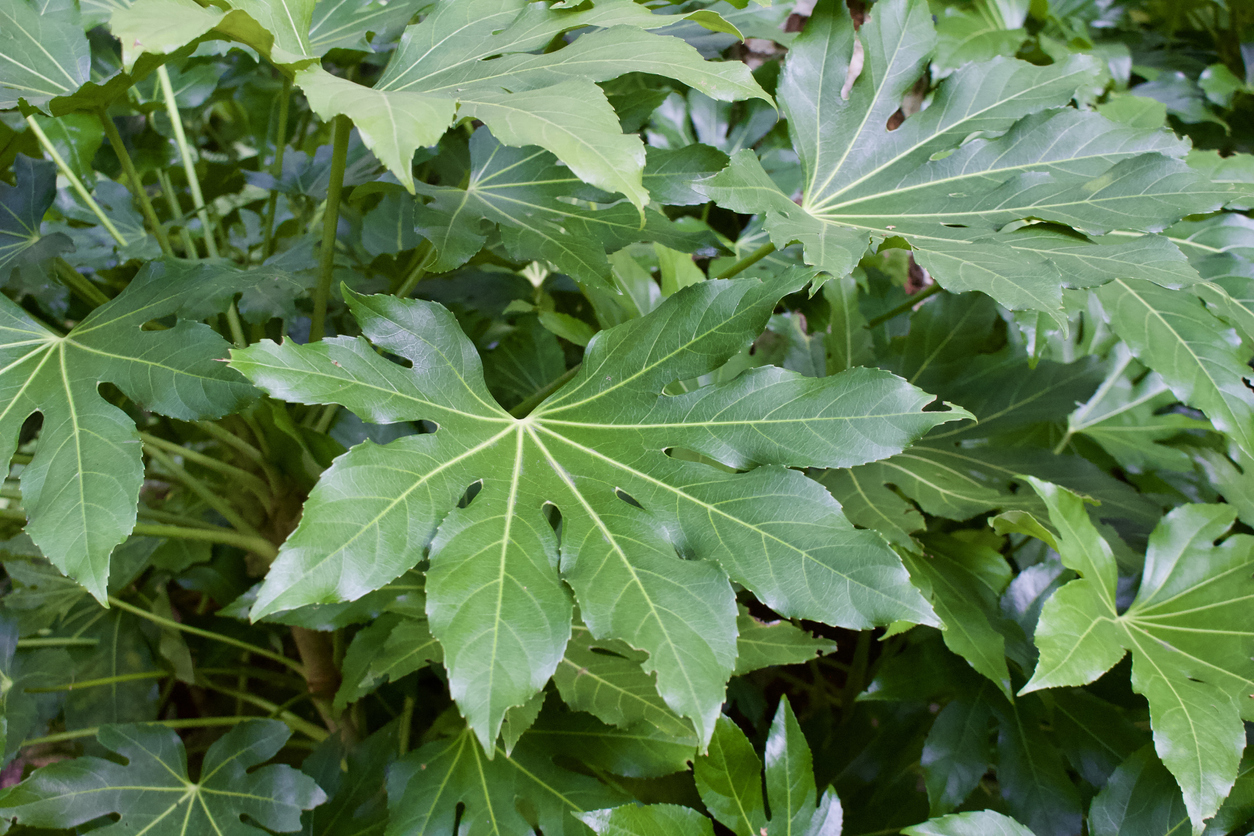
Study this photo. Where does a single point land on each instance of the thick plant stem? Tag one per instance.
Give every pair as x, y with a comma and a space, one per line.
69, 174
747, 262
206, 634
322, 677
906, 306
225, 536
422, 259
137, 183
276, 167
330, 222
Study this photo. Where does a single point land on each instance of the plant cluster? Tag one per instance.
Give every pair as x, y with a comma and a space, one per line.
558, 417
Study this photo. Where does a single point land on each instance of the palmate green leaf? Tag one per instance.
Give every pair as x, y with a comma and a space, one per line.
527, 193
475, 59
387, 649
947, 197
1187, 630
653, 820
957, 753
762, 645
152, 791
357, 25
22, 209
728, 781
1178, 337
426, 787
81, 490
595, 451
25, 710
45, 52
981, 823
278, 29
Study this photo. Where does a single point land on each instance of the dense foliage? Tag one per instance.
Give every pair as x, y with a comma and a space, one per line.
505, 417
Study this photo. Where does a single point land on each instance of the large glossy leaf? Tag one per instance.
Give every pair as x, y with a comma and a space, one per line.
951, 199
1186, 629
630, 513
474, 59
1201, 360
45, 52
81, 490
151, 791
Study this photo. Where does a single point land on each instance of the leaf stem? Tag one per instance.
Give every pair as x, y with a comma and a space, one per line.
136, 182
422, 259
79, 283
176, 211
254, 484
189, 167
276, 167
26, 644
207, 634
101, 682
330, 223
74, 181
189, 723
748, 261
201, 490
906, 306
536, 398
225, 536
294, 721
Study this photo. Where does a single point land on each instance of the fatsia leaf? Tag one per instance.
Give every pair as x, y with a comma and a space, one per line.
651, 820
427, 786
152, 791
1140, 797
476, 59
981, 823
24, 709
45, 53
22, 209
630, 513
81, 490
728, 780
528, 194
956, 753
1186, 629
765, 644
947, 197
1175, 335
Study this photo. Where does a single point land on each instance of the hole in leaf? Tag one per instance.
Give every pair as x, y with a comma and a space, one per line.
470, 494
553, 515
628, 498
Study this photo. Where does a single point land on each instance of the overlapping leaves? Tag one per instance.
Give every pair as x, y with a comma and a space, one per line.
958, 202
151, 792
648, 542
81, 490
1187, 630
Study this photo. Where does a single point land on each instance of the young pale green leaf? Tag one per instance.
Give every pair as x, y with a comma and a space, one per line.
45, 53
728, 781
595, 450
1186, 631
981, 823
152, 792
427, 786
651, 820
476, 58
1175, 335
948, 197
81, 490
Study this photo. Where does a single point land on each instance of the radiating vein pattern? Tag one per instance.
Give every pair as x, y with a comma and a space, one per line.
581, 501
